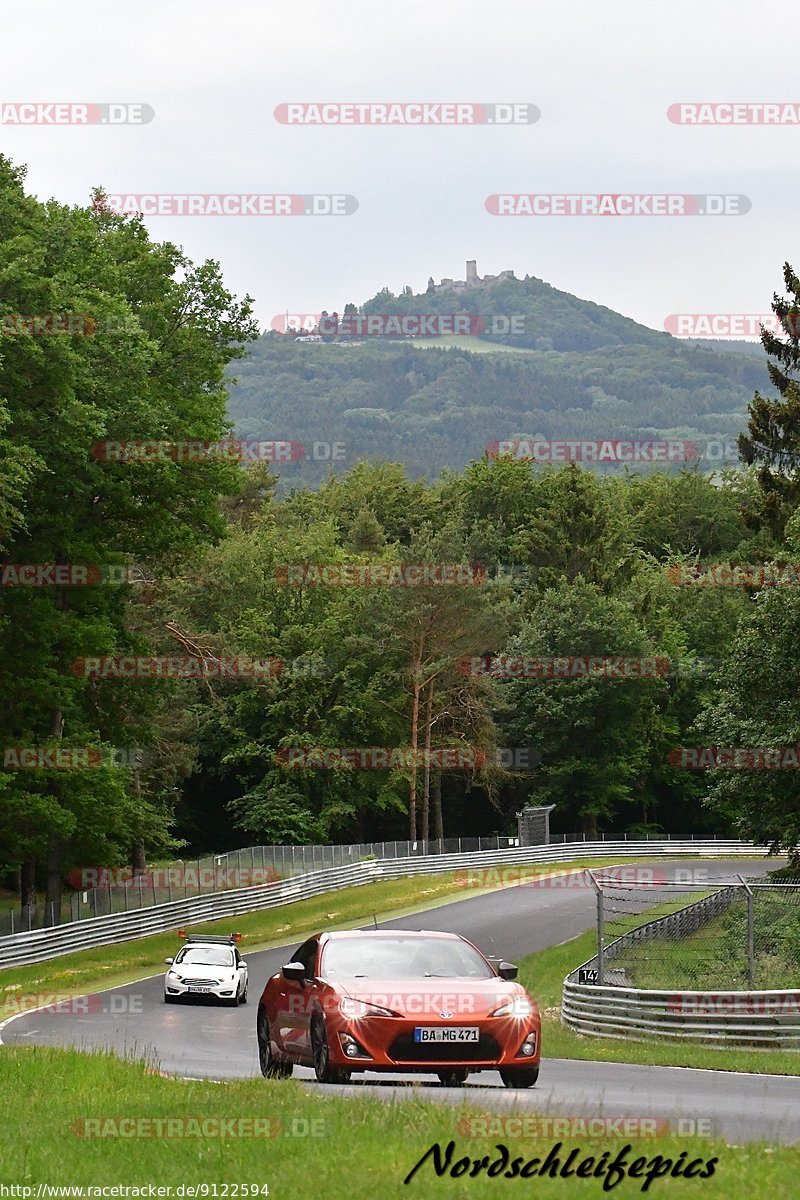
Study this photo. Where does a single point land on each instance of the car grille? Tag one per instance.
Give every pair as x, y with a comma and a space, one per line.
405, 1049
201, 982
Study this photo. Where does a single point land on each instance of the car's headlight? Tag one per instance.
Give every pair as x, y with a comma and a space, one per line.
174, 975
360, 1008
519, 1007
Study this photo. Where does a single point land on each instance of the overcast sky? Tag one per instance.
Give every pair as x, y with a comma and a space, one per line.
603, 76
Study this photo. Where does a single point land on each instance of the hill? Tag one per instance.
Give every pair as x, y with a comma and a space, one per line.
582, 372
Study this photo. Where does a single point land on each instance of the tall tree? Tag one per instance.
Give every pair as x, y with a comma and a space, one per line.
772, 441
150, 366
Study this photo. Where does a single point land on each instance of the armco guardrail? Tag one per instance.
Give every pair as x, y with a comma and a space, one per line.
100, 892
40, 944
734, 1018
751, 1018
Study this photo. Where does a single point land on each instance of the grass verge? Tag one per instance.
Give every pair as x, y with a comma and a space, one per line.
61, 1114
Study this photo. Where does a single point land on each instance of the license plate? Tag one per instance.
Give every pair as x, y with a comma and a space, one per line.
446, 1033
199, 989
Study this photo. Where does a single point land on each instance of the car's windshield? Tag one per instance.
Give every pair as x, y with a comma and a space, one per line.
206, 956
403, 958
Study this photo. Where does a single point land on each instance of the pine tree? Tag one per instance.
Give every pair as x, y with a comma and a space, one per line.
772, 441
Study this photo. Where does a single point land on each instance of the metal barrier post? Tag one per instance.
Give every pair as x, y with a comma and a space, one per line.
751, 935
600, 930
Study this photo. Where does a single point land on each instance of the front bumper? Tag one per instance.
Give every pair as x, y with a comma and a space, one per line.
388, 1044
219, 991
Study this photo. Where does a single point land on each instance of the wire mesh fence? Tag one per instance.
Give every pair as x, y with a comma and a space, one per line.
96, 892
690, 933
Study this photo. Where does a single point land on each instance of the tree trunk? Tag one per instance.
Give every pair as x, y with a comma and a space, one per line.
53, 884
590, 826
27, 891
426, 780
138, 857
437, 805
412, 791
52, 898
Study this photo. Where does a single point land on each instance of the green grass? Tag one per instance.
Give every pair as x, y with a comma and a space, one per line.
359, 1150
543, 975
715, 957
110, 966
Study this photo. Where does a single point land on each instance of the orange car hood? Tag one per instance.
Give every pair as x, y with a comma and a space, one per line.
430, 997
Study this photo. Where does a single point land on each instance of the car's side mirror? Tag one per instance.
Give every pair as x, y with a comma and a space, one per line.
242, 963
507, 970
294, 971
169, 961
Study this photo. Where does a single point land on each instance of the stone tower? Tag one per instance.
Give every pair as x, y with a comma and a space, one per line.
472, 271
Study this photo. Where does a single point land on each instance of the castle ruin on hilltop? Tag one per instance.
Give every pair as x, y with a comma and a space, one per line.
473, 279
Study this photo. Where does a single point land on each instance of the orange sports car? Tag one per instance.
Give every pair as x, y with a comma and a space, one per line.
396, 1000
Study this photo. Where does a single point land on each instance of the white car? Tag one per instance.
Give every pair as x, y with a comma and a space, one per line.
207, 965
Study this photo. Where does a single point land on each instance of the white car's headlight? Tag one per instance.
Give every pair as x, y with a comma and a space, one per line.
519, 1007
360, 1008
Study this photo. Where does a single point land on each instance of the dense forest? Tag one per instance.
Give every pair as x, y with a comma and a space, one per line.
576, 370
191, 657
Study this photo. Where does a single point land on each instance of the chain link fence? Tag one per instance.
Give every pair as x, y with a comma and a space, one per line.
685, 933
97, 892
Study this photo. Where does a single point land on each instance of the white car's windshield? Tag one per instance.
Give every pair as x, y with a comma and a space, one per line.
403, 958
206, 956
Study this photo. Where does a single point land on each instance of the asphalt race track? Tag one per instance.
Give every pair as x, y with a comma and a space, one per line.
202, 1039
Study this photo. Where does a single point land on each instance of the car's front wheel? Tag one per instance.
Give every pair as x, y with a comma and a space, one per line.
271, 1067
243, 997
519, 1077
455, 1078
170, 999
323, 1070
